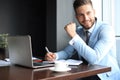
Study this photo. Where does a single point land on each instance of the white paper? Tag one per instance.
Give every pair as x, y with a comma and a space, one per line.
4, 63
72, 61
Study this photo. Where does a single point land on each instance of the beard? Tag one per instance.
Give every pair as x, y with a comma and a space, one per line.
87, 24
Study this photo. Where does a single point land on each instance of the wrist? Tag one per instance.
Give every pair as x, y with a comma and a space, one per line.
73, 35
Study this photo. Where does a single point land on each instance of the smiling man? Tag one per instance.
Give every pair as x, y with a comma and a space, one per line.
98, 47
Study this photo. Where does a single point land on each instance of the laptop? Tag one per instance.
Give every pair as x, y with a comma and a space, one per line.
20, 52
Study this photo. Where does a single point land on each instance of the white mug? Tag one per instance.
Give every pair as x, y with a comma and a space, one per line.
60, 65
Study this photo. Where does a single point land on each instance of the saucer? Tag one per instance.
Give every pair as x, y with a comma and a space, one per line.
64, 70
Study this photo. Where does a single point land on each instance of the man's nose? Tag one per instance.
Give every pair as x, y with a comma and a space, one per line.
86, 17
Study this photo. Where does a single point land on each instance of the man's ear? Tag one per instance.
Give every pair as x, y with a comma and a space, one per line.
76, 16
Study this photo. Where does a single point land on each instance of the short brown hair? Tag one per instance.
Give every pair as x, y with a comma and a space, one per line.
78, 3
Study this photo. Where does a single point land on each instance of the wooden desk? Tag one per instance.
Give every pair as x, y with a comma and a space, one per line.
21, 73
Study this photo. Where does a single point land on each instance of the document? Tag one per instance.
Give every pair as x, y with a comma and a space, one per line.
4, 63
72, 61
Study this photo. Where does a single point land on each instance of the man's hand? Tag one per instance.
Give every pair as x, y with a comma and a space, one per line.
50, 56
71, 29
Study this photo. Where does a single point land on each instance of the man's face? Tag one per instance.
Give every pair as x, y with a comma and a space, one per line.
85, 15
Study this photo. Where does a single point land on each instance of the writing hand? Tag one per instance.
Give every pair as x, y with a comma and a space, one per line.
50, 56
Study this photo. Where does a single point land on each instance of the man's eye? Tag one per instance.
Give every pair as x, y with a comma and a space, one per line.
88, 13
79, 15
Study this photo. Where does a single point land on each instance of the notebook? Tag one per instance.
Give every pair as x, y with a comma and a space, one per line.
20, 52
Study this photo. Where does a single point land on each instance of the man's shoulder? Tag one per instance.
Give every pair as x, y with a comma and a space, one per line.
79, 29
102, 25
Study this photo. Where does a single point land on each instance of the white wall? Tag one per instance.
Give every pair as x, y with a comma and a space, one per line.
111, 14
65, 14
118, 50
97, 4
108, 13
117, 16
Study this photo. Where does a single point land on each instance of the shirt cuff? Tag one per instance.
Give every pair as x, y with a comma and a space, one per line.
71, 42
56, 56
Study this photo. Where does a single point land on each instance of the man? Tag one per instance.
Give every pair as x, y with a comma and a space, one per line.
99, 48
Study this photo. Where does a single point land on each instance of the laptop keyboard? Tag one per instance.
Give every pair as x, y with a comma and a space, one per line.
37, 64
42, 64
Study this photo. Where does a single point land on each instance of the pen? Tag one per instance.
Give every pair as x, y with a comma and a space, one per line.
47, 50
51, 54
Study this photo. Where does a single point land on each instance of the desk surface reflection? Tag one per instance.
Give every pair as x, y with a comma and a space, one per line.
22, 73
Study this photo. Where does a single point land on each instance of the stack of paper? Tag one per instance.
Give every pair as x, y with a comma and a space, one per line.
4, 63
72, 61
